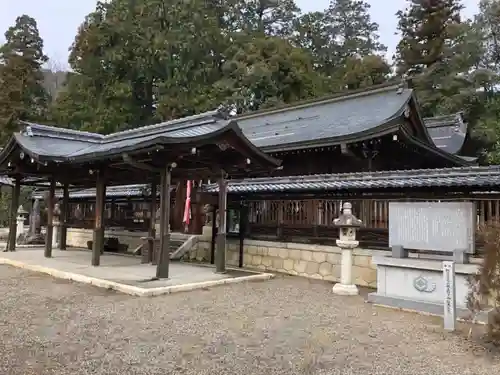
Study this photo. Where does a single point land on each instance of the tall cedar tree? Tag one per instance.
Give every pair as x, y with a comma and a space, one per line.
433, 51
22, 94
344, 43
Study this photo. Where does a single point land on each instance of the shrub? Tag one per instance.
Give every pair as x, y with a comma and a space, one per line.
485, 286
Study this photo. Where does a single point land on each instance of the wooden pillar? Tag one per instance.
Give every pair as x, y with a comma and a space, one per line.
220, 253
64, 218
100, 201
14, 204
196, 210
152, 222
214, 235
50, 219
163, 265
243, 220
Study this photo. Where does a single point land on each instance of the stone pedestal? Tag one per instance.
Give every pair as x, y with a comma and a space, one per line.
56, 234
417, 285
346, 287
207, 231
20, 226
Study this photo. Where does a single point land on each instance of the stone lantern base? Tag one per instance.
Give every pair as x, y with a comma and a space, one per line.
346, 286
345, 290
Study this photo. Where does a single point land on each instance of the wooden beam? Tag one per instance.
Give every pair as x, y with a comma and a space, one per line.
14, 204
50, 219
64, 218
162, 268
98, 240
139, 165
220, 253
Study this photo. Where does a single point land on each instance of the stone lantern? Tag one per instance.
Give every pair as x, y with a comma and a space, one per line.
348, 224
22, 214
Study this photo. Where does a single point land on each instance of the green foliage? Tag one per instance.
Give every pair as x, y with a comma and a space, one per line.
339, 39
5, 199
485, 287
22, 94
266, 72
434, 52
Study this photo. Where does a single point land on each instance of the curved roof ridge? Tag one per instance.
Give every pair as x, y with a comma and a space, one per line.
176, 124
341, 96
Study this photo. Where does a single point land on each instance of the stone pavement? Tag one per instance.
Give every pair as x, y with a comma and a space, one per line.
123, 273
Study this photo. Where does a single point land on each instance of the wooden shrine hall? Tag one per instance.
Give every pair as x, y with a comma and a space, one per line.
205, 146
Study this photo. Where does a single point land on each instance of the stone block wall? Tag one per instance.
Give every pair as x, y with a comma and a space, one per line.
78, 237
311, 261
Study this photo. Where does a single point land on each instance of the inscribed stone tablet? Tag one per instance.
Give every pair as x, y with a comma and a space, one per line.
433, 226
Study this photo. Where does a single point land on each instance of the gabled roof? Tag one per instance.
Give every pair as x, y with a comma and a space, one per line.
327, 121
66, 144
448, 132
211, 129
470, 177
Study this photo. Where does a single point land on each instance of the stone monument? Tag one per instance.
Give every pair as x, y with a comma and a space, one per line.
422, 235
348, 224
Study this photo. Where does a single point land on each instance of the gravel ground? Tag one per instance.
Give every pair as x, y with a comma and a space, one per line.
284, 326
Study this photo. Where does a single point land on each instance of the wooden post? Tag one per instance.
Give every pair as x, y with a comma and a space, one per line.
64, 218
100, 200
243, 220
163, 265
214, 235
50, 219
14, 204
220, 254
152, 222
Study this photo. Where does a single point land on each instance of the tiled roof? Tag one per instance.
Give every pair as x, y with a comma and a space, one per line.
447, 132
473, 177
111, 191
67, 143
6, 181
325, 120
48, 143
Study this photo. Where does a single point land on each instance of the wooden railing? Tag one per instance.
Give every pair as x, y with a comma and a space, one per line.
312, 220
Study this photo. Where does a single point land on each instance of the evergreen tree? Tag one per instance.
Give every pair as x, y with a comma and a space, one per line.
141, 62
265, 72
22, 94
434, 51
344, 43
267, 17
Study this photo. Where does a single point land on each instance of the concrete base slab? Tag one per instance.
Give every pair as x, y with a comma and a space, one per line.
425, 307
345, 290
124, 274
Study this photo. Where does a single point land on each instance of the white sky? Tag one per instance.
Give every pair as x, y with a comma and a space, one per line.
58, 20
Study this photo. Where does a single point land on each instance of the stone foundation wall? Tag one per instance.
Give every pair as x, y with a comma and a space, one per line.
311, 261
78, 237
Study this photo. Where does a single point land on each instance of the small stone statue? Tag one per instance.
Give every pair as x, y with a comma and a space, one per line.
208, 209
